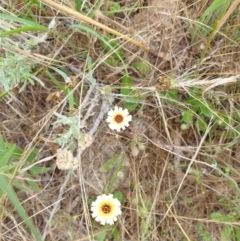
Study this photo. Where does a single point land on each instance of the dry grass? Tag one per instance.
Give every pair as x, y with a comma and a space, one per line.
173, 187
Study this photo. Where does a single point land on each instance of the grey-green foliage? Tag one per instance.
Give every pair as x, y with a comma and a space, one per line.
15, 65
14, 68
73, 129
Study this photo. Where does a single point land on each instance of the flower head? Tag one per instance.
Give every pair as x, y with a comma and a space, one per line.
65, 160
106, 209
118, 118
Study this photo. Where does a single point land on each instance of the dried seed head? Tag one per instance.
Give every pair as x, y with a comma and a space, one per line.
65, 160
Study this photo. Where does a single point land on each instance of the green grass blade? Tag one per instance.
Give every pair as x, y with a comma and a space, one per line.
213, 7
2, 145
19, 20
21, 211
67, 90
90, 31
78, 4
5, 155
23, 29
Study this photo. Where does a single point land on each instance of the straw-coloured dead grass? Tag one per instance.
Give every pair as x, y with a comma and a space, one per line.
173, 179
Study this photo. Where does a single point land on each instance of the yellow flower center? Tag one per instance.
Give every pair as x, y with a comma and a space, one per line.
118, 118
106, 208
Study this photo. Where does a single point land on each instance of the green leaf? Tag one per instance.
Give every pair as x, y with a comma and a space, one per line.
39, 170
102, 236
34, 185
78, 4
126, 85
237, 233
118, 195
23, 29
170, 97
193, 102
19, 20
4, 93
6, 155
227, 232
142, 67
116, 233
89, 201
19, 185
65, 89
113, 46
32, 155
18, 153
213, 7
132, 98
187, 116
114, 6
173, 94
19, 208
206, 111
201, 125
106, 43
112, 61
109, 164
218, 217
2, 145
63, 74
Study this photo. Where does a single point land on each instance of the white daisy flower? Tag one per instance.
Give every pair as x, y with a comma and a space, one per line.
106, 209
118, 118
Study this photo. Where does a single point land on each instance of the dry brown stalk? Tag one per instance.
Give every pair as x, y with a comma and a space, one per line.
84, 18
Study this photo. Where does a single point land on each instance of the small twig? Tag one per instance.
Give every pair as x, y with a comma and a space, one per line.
187, 171
56, 206
178, 153
103, 111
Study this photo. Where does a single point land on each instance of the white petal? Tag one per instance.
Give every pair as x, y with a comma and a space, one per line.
110, 221
112, 126
118, 129
129, 118
126, 112
110, 112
